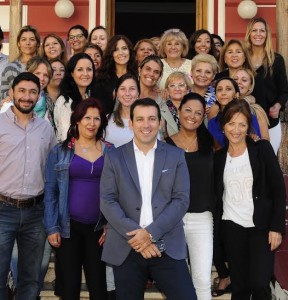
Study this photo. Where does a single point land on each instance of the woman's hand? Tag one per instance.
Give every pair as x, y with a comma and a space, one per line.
274, 239
103, 236
254, 137
274, 110
55, 239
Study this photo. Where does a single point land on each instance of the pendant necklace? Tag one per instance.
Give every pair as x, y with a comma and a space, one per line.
186, 149
85, 149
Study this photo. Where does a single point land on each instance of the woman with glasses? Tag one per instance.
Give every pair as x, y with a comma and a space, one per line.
77, 38
194, 138
173, 48
177, 86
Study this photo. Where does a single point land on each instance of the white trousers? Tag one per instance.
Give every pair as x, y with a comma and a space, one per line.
275, 137
198, 229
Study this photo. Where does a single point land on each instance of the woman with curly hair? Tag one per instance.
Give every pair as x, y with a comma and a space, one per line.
118, 60
76, 85
174, 48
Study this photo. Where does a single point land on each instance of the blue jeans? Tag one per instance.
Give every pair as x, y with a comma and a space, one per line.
24, 225
44, 265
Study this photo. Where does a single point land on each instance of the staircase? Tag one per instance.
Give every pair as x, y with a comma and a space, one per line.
151, 293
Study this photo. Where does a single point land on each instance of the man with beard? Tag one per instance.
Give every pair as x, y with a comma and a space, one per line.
25, 141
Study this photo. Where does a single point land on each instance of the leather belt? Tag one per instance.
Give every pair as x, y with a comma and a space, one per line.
22, 203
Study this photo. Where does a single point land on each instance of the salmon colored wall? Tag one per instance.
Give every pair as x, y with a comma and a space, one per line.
41, 14
235, 26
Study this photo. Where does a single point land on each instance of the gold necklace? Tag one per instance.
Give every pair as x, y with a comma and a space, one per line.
186, 149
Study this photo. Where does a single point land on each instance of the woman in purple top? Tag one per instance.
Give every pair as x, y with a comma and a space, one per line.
72, 215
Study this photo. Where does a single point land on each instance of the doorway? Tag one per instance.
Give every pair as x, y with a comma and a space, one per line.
138, 20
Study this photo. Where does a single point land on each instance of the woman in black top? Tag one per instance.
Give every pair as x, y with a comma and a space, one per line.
119, 59
250, 204
271, 86
196, 141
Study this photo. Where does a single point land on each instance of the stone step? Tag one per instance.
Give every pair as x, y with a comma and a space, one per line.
151, 293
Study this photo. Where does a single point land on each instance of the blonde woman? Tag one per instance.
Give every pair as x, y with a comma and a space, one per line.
144, 48
177, 86
271, 86
203, 70
246, 82
173, 48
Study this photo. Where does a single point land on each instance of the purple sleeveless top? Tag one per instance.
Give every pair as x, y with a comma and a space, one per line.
84, 189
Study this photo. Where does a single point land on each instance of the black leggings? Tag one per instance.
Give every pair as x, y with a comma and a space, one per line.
81, 249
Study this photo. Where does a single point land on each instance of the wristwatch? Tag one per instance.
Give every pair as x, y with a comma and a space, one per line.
151, 238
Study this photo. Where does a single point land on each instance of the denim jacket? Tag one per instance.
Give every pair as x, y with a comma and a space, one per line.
56, 215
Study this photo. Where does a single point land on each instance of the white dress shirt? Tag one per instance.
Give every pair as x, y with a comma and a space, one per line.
145, 168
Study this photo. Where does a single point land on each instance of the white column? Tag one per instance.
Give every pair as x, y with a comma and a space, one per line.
221, 18
103, 16
210, 16
92, 14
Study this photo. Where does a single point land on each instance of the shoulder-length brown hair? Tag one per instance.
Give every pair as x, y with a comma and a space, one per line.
234, 107
77, 116
247, 63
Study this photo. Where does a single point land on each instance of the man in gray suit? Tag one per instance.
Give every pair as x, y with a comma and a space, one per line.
144, 196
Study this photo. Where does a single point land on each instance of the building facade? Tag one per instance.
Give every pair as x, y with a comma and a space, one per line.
218, 16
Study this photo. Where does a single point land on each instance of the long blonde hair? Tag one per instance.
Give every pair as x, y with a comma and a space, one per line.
269, 55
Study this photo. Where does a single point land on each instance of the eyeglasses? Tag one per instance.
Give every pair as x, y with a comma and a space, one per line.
179, 86
218, 45
77, 37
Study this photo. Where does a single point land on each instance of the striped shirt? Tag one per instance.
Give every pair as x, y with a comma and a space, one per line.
11, 71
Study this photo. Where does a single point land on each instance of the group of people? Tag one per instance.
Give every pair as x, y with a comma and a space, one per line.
122, 158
